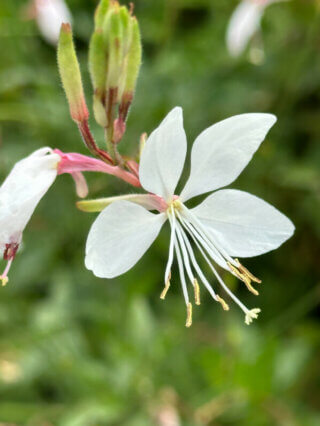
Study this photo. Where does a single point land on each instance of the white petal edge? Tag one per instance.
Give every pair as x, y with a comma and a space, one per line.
22, 190
50, 15
222, 151
244, 22
242, 223
119, 237
163, 156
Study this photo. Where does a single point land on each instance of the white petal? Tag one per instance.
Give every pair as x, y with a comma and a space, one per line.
50, 15
244, 22
222, 151
22, 190
163, 156
119, 237
243, 224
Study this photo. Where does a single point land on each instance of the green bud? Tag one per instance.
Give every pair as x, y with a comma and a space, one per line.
99, 110
114, 62
98, 60
70, 75
125, 19
100, 13
134, 58
115, 41
98, 63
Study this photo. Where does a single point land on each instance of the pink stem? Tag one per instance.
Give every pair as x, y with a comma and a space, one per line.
74, 162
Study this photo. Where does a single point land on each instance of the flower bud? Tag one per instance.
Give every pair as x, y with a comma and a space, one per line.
98, 63
114, 61
134, 57
100, 13
70, 75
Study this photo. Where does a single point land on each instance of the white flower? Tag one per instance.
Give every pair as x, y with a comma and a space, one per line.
50, 14
244, 23
20, 193
227, 224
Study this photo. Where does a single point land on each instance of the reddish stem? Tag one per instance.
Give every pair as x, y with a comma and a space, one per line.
91, 144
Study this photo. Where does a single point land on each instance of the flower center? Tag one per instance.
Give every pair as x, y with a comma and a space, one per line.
174, 205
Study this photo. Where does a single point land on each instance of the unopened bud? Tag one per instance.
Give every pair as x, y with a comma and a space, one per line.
70, 75
115, 41
134, 57
100, 13
98, 63
119, 128
114, 61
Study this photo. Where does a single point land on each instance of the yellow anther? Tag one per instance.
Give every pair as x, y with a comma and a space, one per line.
177, 205
196, 291
248, 273
189, 315
224, 305
243, 276
235, 271
4, 281
247, 282
166, 288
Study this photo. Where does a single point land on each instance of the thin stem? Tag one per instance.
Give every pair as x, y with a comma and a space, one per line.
90, 143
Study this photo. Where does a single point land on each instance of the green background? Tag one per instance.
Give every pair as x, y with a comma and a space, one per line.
76, 350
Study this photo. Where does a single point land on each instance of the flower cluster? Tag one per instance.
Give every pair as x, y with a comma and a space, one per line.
229, 224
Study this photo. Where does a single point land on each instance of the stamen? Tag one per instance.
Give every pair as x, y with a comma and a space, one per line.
171, 246
166, 288
203, 240
245, 310
225, 306
196, 291
189, 315
251, 315
248, 273
208, 235
181, 268
184, 254
194, 262
205, 243
4, 277
244, 278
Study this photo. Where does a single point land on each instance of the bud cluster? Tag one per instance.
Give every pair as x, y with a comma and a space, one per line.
114, 62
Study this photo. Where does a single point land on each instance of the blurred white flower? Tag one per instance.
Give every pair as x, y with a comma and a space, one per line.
20, 194
244, 23
50, 14
227, 224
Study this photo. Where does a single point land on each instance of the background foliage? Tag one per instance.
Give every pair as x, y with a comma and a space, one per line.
76, 350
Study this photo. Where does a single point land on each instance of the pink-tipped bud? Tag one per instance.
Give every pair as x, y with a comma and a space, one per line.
71, 76
119, 128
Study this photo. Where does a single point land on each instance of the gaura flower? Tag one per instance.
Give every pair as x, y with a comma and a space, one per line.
50, 14
244, 23
228, 224
20, 193
28, 182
